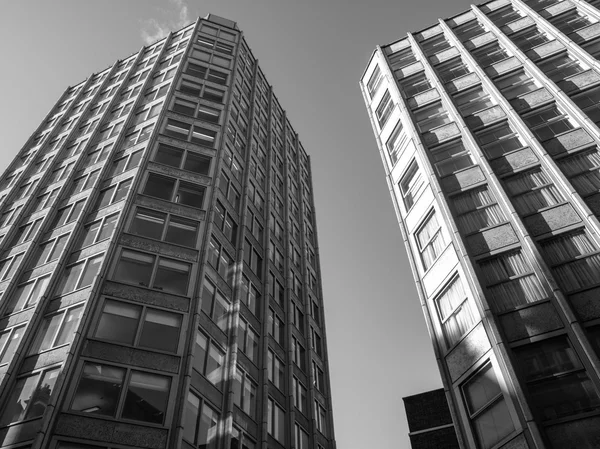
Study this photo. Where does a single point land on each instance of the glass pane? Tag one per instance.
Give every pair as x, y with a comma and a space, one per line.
190, 194
148, 223
41, 396
69, 326
493, 424
200, 351
98, 390
159, 186
197, 163
147, 397
118, 322
192, 408
169, 155
172, 276
481, 389
207, 432
160, 330
91, 269
182, 232
45, 337
134, 268
20, 397
214, 365
107, 227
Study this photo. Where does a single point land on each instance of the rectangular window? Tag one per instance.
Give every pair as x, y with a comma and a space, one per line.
220, 260
384, 109
561, 67
505, 15
530, 38
574, 260
167, 227
300, 437
410, 184
299, 354
275, 370
215, 305
452, 70
498, 141
589, 102
571, 21
431, 117
510, 281
532, 190
27, 295
430, 240
248, 340
415, 84
276, 327
180, 158
516, 84
374, 81
300, 394
486, 407
548, 123
79, 275
469, 30
583, 170
209, 359
134, 325
116, 392
9, 342
244, 392
275, 421
476, 209
401, 58
168, 275
201, 423
56, 330
30, 396
175, 190
556, 379
490, 54
473, 101
455, 312
448, 159
251, 297
321, 418
435, 44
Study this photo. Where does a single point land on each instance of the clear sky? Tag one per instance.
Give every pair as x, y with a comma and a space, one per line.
313, 53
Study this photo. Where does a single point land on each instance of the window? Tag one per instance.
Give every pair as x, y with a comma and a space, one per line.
113, 194
250, 296
452, 70
30, 396
490, 54
200, 423
583, 170
275, 421
215, 305
531, 191
410, 184
556, 379
300, 437
167, 227
220, 260
275, 370
276, 289
244, 392
498, 141
49, 251
193, 133
137, 325
27, 295
561, 67
505, 15
168, 275
469, 30
430, 240
194, 109
97, 154
455, 312
510, 281
431, 117
384, 109
254, 225
209, 359
486, 407
374, 81
451, 158
56, 330
435, 44
415, 84
321, 418
476, 209
589, 102
121, 163
473, 101
570, 21
225, 223
44, 201
530, 38
172, 189
98, 231
516, 84
252, 258
574, 260
247, 340
67, 214
79, 275
317, 342
298, 318
298, 354
402, 58
9, 342
319, 377
122, 393
276, 327
548, 123
26, 232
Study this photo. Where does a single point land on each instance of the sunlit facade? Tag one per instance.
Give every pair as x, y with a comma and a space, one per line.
159, 262
487, 126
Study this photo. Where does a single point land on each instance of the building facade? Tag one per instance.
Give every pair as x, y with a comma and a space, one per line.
487, 126
159, 262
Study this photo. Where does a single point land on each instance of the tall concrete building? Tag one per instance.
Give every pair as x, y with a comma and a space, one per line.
159, 265
487, 126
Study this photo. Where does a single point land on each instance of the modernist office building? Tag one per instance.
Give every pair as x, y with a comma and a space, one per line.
487, 126
159, 264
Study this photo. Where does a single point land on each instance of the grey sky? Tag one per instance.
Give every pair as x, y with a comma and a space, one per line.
313, 53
